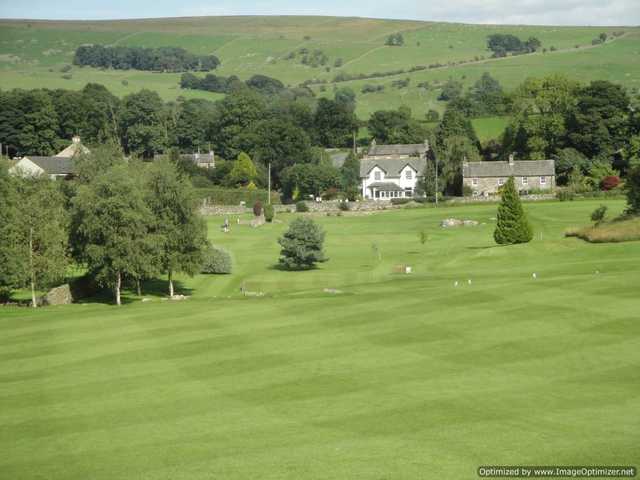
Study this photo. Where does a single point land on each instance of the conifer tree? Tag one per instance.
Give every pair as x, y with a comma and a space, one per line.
513, 226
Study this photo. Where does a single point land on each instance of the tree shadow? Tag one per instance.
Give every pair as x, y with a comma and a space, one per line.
155, 287
485, 247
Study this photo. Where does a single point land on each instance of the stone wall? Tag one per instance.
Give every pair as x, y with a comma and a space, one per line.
325, 206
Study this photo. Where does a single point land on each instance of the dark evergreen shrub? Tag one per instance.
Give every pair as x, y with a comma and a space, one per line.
632, 187
301, 245
302, 207
513, 226
269, 213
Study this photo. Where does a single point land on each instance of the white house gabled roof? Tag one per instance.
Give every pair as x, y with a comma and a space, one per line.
392, 167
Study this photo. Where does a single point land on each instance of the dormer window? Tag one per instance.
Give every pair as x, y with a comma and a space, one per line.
408, 175
377, 175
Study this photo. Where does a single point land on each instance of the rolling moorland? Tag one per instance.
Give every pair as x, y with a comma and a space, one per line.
32, 54
414, 378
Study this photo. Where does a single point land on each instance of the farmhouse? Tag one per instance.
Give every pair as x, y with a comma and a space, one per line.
485, 178
61, 165
392, 171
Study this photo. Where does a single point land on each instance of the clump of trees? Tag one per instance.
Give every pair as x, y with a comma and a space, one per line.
512, 226
121, 221
219, 84
165, 59
502, 44
394, 40
302, 245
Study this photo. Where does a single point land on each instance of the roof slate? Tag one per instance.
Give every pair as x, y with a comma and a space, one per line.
521, 168
410, 149
386, 186
55, 165
392, 166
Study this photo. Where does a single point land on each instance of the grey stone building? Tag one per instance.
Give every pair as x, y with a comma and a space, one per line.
485, 178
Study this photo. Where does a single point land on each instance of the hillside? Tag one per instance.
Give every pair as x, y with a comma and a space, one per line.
32, 54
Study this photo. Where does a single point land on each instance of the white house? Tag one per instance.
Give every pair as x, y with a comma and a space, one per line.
61, 165
392, 171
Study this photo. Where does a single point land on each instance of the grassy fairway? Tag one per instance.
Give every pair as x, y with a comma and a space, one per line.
32, 54
400, 376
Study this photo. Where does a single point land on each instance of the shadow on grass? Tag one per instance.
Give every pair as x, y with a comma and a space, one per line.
486, 247
150, 288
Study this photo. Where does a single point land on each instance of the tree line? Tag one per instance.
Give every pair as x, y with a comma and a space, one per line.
163, 59
121, 221
220, 84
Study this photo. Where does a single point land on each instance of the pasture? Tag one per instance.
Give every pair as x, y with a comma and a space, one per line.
396, 376
32, 54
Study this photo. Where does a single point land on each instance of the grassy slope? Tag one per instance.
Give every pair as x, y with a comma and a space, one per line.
399, 377
249, 45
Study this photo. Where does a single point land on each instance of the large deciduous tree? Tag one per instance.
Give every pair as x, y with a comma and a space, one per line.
182, 234
112, 225
334, 123
42, 233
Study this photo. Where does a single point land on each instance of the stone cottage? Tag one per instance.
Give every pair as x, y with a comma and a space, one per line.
485, 178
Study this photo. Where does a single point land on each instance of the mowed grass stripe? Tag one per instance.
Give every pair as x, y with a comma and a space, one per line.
400, 376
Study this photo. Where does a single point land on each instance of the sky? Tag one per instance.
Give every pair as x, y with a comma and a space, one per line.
531, 12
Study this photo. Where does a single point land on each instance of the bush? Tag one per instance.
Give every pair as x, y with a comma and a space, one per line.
269, 213
301, 245
610, 182
597, 216
400, 201
467, 191
257, 208
302, 207
216, 260
344, 206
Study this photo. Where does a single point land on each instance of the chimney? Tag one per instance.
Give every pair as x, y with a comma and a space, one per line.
464, 161
212, 158
511, 159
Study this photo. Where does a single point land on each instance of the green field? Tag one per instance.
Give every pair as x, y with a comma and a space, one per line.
399, 376
33, 52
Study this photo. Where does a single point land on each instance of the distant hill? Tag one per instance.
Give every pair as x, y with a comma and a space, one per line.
34, 54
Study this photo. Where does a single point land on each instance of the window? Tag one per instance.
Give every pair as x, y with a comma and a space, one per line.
408, 175
474, 182
408, 192
543, 180
501, 181
377, 175
525, 181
